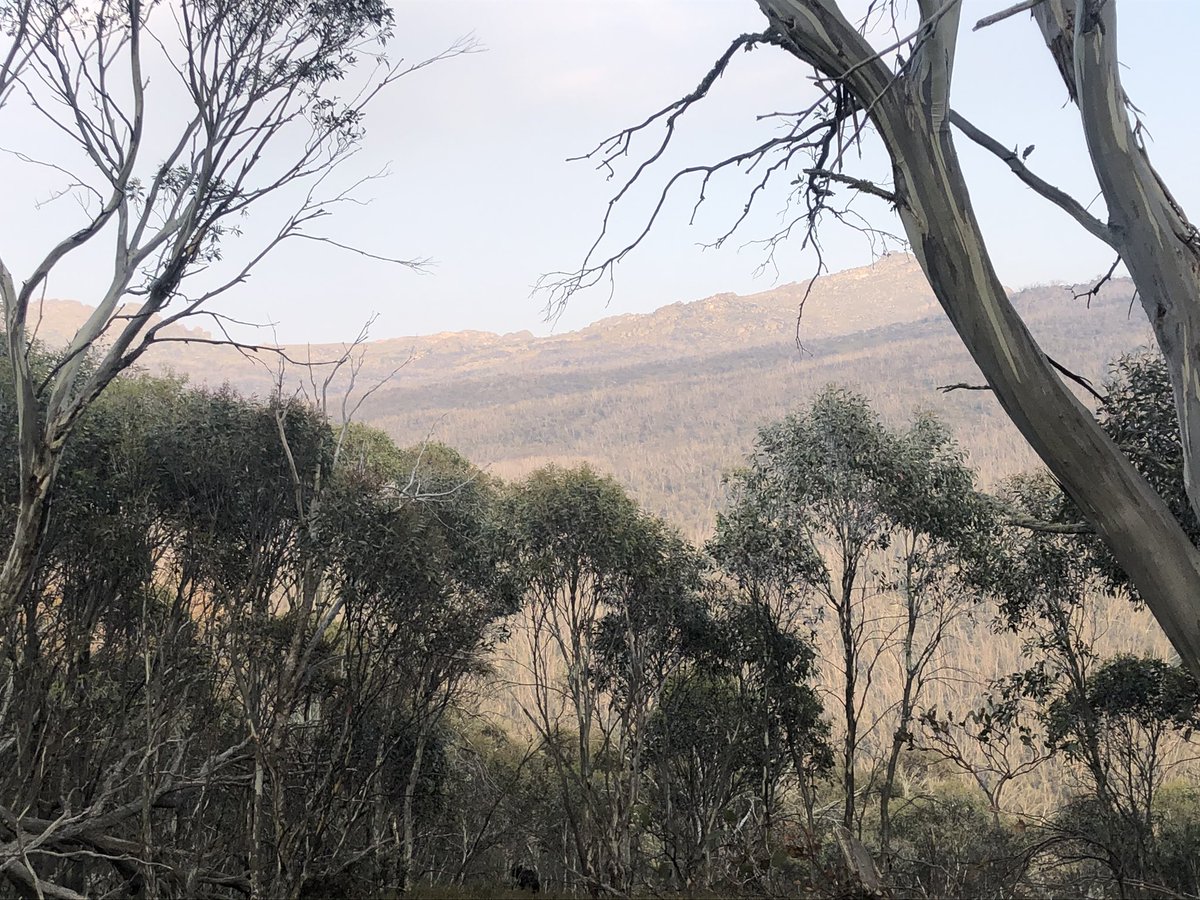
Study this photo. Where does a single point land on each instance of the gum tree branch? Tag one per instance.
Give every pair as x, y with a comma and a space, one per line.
904, 93
1045, 189
261, 115
1015, 9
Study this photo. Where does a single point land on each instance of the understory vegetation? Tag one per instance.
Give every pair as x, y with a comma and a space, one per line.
268, 653
253, 648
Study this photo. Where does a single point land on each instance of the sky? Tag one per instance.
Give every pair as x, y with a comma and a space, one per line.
479, 181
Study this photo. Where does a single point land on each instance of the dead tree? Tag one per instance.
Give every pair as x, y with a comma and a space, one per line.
900, 93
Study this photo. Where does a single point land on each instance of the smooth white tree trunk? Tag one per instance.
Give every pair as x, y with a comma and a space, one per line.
912, 115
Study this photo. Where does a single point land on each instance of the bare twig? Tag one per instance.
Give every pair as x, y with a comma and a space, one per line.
963, 386
1078, 379
1050, 527
1095, 288
1003, 14
859, 184
1057, 196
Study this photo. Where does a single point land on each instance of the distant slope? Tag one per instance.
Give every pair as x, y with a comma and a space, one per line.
54, 322
669, 428
669, 400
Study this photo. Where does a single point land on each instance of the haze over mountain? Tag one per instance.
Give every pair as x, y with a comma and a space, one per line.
670, 400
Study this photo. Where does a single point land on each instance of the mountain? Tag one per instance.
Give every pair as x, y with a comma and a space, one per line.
54, 323
668, 401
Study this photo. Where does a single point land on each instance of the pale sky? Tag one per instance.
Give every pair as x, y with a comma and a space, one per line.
479, 182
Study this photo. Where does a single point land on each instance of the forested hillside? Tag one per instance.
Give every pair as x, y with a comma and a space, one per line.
670, 425
295, 659
669, 401
854, 639
749, 596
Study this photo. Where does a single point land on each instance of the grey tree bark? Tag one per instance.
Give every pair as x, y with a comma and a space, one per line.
910, 109
1146, 225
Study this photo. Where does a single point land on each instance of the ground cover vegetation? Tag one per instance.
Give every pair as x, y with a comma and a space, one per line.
269, 653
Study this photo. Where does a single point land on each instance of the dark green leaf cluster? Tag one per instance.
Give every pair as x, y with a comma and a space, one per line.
835, 472
1150, 692
216, 574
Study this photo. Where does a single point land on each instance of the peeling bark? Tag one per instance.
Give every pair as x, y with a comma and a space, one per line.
1149, 229
911, 112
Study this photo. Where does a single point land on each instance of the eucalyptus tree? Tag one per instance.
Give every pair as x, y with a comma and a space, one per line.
118, 718
226, 488
224, 684
258, 104
836, 512
654, 622
1123, 723
734, 729
769, 563
889, 77
420, 562
1133, 709
611, 609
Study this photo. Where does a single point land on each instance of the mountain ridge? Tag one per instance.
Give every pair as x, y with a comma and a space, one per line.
667, 401
910, 297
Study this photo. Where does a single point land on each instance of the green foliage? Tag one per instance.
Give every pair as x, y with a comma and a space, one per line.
775, 667
725, 739
195, 539
949, 845
1120, 720
1177, 814
1138, 413
567, 524
835, 472
189, 526
836, 509
614, 609
1149, 692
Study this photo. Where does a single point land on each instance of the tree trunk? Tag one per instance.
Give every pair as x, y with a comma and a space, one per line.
410, 790
1148, 228
850, 690
381, 820
1133, 520
37, 478
900, 736
257, 814
912, 113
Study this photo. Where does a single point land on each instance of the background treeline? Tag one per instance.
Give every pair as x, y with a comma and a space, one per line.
268, 653
671, 420
670, 401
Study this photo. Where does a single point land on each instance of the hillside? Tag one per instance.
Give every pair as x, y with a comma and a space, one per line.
669, 400
668, 427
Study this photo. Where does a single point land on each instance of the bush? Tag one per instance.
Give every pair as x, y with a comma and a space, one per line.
948, 845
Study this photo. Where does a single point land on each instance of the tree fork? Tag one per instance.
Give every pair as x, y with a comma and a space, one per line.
911, 112
1149, 229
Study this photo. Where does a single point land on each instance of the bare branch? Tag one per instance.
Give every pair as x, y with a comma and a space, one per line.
1050, 527
249, 348
1057, 196
859, 184
963, 386
561, 286
1015, 9
417, 265
1095, 288
1078, 379
1059, 367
